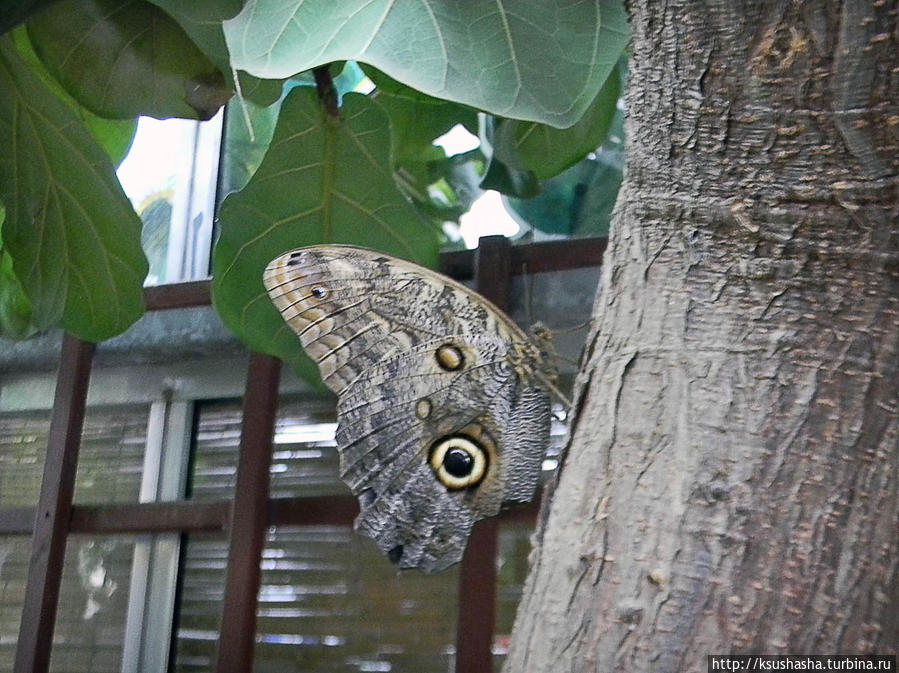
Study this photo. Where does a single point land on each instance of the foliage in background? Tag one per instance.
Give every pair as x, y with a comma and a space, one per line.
531, 80
579, 200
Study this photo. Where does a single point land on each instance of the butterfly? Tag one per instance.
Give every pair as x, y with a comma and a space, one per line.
443, 403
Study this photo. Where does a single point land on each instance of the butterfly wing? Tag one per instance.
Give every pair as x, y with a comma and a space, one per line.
440, 419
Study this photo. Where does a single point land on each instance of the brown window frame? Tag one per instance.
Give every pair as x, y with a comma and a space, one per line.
246, 518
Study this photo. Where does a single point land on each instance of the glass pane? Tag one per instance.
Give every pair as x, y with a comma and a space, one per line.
90, 620
14, 554
93, 604
23, 444
304, 457
200, 605
109, 462
329, 601
170, 175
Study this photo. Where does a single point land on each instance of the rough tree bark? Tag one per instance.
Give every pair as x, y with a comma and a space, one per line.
732, 481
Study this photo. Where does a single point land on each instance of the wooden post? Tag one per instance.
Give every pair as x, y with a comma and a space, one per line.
249, 519
477, 576
51, 524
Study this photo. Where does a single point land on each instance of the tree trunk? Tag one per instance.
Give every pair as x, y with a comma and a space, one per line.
732, 479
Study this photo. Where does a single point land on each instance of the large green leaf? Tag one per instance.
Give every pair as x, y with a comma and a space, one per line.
522, 184
114, 135
443, 188
416, 121
202, 21
547, 151
323, 179
249, 128
122, 59
500, 176
72, 235
526, 59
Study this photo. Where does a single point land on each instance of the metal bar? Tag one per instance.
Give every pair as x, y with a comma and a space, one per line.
477, 576
142, 566
51, 523
250, 516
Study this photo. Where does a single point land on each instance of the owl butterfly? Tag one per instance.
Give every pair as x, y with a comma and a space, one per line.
443, 406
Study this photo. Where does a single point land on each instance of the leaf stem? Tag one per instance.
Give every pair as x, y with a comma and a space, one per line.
327, 94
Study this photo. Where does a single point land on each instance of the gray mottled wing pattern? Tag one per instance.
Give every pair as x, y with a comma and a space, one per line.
415, 358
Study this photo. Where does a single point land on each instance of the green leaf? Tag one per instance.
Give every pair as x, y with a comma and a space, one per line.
442, 188
322, 180
510, 181
458, 177
547, 151
416, 119
202, 21
579, 201
114, 135
124, 59
15, 309
71, 233
15, 12
527, 59
243, 151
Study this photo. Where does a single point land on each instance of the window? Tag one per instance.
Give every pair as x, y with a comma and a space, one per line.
144, 577
169, 174
95, 579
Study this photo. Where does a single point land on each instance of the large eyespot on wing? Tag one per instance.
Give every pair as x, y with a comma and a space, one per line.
463, 458
412, 396
408, 395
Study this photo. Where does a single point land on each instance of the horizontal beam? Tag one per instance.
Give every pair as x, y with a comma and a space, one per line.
178, 295
195, 516
338, 510
153, 517
526, 258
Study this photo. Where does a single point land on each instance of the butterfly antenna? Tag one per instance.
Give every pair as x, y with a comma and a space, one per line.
554, 389
573, 328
